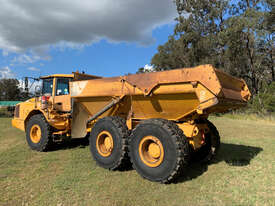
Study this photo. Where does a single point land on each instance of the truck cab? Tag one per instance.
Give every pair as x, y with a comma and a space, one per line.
47, 116
53, 105
56, 89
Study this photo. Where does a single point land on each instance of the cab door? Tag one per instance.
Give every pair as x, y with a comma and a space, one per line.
62, 98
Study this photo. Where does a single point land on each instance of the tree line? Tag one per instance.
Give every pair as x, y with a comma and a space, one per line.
11, 91
235, 36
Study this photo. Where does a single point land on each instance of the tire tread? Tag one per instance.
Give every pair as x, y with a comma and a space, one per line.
180, 141
47, 139
120, 124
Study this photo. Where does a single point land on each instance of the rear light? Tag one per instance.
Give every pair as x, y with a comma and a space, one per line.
44, 101
45, 98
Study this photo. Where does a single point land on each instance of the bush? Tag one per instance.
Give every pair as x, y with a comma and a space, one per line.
264, 101
6, 112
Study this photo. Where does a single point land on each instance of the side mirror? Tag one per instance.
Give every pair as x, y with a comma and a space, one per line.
37, 91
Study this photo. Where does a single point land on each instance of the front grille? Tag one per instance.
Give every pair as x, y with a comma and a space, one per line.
16, 111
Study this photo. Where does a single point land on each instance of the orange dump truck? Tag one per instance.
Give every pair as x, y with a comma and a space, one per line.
155, 121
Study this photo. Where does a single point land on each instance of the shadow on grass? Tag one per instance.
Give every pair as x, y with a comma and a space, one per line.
70, 144
232, 154
82, 143
237, 155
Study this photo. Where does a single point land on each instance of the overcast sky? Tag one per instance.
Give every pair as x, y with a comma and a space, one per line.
38, 36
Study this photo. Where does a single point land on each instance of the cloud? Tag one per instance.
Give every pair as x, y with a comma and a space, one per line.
29, 58
25, 59
6, 73
149, 68
34, 69
33, 24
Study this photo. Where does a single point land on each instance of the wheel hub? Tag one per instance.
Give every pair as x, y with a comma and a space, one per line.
151, 151
108, 143
154, 150
104, 143
35, 133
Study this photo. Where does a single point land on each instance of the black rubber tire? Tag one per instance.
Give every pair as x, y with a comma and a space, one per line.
46, 133
212, 144
175, 145
116, 126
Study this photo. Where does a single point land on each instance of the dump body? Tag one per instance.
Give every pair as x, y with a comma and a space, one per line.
177, 95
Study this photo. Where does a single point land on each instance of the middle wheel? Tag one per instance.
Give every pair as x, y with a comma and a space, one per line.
159, 150
109, 143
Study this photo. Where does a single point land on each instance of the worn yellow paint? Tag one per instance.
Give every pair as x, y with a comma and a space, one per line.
180, 95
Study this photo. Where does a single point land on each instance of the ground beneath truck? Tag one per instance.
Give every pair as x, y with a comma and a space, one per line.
241, 175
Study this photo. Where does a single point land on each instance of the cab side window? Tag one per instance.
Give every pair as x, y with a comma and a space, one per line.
62, 87
47, 86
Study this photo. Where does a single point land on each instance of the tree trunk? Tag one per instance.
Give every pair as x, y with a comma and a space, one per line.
272, 65
272, 73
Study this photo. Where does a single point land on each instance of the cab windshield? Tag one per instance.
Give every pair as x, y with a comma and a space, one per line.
47, 86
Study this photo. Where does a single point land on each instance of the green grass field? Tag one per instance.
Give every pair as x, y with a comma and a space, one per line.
242, 174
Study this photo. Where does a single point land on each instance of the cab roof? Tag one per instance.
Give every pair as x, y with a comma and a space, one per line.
74, 75
58, 75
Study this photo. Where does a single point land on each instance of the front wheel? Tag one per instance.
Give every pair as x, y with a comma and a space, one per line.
38, 133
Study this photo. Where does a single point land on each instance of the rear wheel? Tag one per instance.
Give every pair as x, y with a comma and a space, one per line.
159, 150
38, 133
109, 143
211, 147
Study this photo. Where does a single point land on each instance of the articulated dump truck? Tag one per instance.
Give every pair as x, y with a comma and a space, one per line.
157, 122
